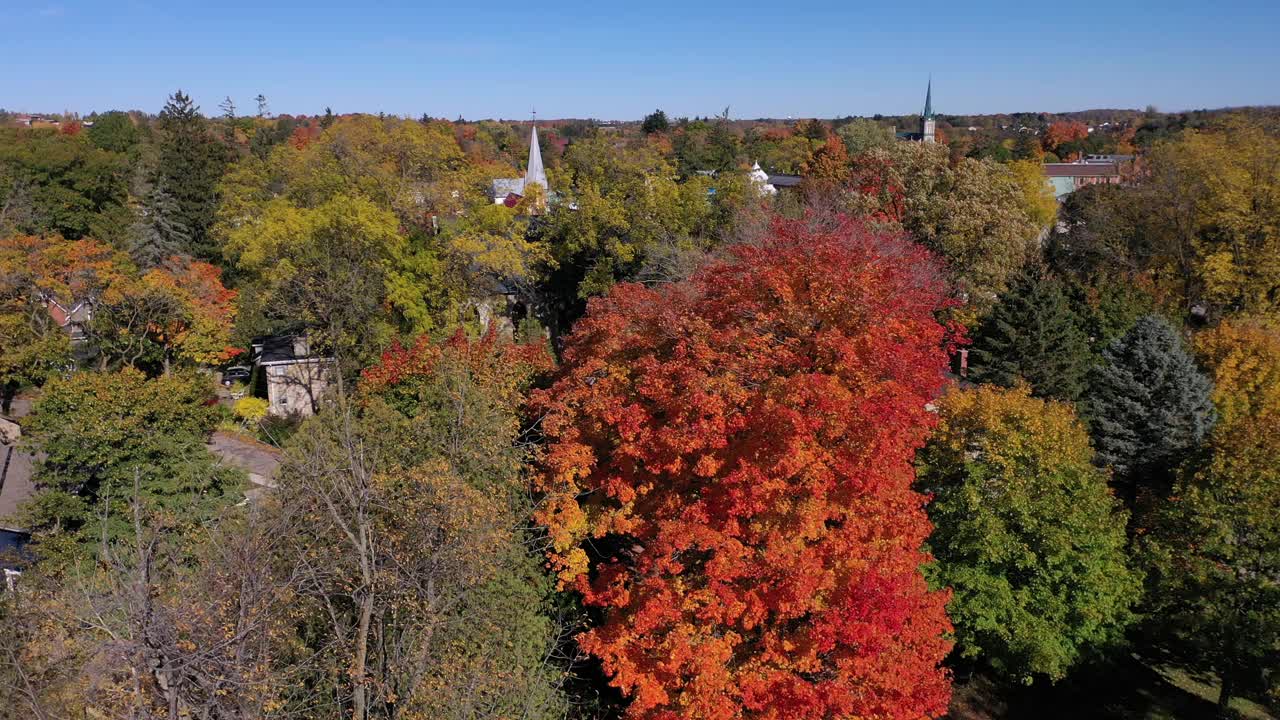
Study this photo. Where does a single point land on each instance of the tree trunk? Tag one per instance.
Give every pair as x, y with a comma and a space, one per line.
1228, 676
359, 696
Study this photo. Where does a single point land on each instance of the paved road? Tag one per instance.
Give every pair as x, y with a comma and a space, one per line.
258, 459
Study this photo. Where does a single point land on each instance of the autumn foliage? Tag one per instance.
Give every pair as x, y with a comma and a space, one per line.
1064, 131
403, 372
728, 478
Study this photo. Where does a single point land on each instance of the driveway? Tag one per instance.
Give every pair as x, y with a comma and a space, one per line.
258, 459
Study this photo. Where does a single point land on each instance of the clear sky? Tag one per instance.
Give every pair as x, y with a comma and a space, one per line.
620, 60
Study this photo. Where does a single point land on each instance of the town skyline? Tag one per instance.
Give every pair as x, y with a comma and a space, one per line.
584, 62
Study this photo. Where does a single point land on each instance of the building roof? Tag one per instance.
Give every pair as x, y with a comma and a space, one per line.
282, 349
1080, 170
928, 101
503, 187
785, 180
535, 173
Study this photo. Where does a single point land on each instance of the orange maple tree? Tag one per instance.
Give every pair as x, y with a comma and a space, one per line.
200, 328
1063, 132
829, 164
727, 477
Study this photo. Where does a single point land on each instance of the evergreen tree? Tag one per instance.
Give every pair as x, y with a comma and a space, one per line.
191, 163
655, 122
1033, 335
1148, 405
160, 233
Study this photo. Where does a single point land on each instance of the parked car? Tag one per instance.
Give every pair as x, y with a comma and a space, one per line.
235, 374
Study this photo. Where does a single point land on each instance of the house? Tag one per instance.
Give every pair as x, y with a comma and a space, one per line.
296, 381
509, 191
72, 317
1066, 178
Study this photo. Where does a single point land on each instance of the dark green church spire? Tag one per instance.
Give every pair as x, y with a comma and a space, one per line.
928, 101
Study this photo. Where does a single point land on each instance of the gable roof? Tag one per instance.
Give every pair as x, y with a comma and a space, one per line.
286, 349
503, 187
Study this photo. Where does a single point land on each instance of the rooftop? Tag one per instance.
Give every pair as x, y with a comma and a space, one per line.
1081, 169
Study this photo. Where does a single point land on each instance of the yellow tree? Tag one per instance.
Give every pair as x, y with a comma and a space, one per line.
1037, 192
1218, 195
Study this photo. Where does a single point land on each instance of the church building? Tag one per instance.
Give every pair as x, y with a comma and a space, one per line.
509, 191
928, 126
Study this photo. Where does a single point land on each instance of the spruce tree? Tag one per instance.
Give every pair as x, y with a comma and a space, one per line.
191, 163
160, 233
1148, 405
1033, 335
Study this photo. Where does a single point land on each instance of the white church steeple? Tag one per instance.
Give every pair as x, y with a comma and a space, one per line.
535, 173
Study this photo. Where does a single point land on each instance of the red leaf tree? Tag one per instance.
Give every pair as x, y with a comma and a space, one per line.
728, 477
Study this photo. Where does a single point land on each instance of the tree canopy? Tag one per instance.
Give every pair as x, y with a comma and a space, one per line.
728, 479
1028, 534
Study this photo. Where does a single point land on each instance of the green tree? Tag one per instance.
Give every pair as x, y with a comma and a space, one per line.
159, 233
1108, 306
863, 135
655, 122
99, 434
62, 184
190, 164
1214, 548
332, 270
621, 205
1148, 406
1033, 335
114, 131
1026, 533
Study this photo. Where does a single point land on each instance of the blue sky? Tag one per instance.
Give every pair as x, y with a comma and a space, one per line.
620, 60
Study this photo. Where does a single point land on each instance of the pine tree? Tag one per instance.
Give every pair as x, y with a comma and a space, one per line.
1033, 335
1148, 405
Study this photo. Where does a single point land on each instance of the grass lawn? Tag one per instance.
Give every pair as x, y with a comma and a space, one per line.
1135, 688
